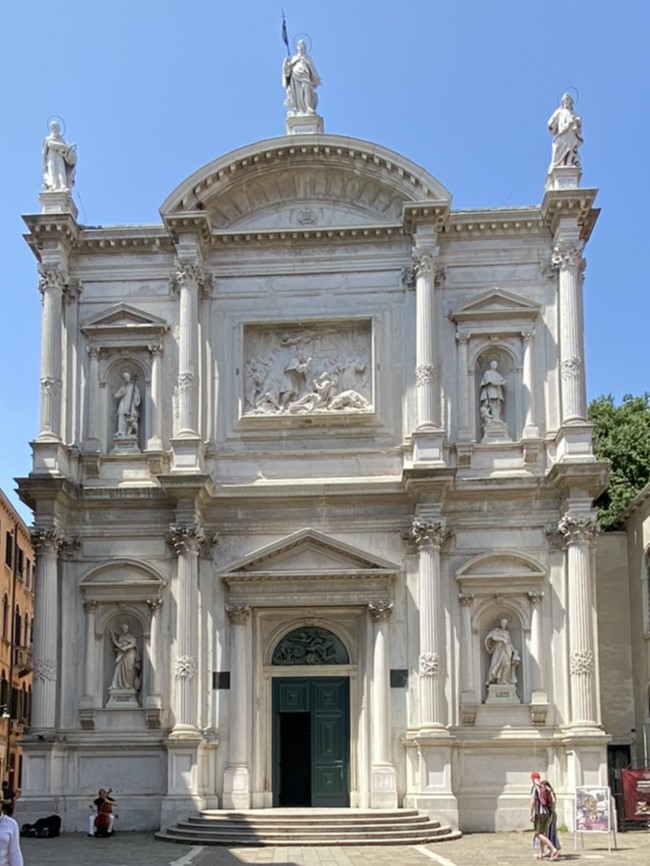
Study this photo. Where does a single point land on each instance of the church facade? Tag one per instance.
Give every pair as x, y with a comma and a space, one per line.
313, 495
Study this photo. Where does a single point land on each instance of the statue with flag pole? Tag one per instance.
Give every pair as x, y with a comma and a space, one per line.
299, 78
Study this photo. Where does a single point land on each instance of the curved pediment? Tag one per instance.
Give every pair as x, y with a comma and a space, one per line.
300, 181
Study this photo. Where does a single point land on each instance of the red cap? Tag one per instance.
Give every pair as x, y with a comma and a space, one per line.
535, 775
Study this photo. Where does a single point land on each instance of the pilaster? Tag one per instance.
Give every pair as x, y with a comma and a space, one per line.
383, 778
236, 782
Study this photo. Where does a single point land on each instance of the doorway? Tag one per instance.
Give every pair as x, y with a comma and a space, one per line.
311, 741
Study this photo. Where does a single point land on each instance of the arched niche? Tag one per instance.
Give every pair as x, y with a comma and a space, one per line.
310, 645
120, 623
497, 398
126, 389
501, 634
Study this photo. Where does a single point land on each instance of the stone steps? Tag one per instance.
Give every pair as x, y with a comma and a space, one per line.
306, 827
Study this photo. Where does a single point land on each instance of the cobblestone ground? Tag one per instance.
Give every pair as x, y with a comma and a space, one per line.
499, 849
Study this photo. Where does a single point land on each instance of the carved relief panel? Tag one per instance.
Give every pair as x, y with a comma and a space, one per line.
315, 369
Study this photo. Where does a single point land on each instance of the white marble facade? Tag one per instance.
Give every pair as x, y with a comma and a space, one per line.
359, 411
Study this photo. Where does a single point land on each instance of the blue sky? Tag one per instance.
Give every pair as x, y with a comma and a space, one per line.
152, 89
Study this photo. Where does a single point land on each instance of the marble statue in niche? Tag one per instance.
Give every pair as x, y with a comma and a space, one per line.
494, 399
310, 370
492, 393
504, 658
59, 161
300, 80
126, 680
566, 128
127, 410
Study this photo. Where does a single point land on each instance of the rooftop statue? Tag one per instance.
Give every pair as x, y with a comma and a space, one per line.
566, 127
300, 80
59, 161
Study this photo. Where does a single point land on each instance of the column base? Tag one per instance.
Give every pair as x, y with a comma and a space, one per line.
51, 457
383, 787
573, 442
428, 447
236, 788
429, 775
187, 453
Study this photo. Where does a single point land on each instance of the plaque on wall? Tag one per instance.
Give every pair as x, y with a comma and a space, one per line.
318, 369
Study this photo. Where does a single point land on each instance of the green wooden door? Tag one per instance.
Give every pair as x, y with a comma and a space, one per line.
311, 741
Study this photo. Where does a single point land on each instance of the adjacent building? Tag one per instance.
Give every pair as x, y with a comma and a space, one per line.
313, 491
16, 635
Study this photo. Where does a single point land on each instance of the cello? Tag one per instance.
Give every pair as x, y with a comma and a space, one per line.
102, 820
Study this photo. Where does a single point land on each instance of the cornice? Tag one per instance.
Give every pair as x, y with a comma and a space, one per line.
58, 227
494, 222
575, 204
307, 235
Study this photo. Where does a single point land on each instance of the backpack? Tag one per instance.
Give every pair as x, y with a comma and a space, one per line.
545, 793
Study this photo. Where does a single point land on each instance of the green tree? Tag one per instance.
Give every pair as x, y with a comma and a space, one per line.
622, 436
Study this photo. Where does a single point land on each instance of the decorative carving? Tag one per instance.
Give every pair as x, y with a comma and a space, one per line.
462, 338
44, 670
52, 277
571, 367
155, 349
423, 263
300, 80
155, 604
238, 613
465, 600
440, 277
47, 540
429, 664
185, 381
568, 255
311, 370
310, 646
425, 374
527, 337
94, 353
185, 667
307, 217
191, 271
581, 663
535, 598
48, 385
578, 530
430, 533
90, 606
128, 662
185, 538
380, 610
408, 277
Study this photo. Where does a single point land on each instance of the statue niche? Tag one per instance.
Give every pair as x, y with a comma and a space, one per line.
307, 371
126, 394
496, 398
124, 663
503, 662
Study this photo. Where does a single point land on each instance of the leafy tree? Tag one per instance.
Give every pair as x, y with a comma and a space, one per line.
622, 436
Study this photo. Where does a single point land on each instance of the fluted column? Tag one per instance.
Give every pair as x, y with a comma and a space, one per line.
47, 543
189, 278
186, 541
94, 413
155, 439
463, 386
429, 536
53, 281
530, 427
426, 369
236, 779
567, 258
155, 606
579, 533
383, 785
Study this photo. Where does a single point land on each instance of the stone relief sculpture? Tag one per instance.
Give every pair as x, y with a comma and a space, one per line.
492, 394
128, 663
59, 161
128, 405
300, 80
318, 369
566, 127
504, 659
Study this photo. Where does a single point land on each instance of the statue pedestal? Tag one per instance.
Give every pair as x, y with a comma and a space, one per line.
304, 124
123, 698
58, 201
495, 432
563, 177
126, 444
505, 693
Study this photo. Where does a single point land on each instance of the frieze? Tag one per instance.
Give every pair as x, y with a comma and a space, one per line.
318, 369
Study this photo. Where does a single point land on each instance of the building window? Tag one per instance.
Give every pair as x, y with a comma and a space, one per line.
4, 694
9, 547
5, 616
20, 564
17, 627
25, 631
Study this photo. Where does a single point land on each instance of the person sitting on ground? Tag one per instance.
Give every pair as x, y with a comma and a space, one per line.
102, 805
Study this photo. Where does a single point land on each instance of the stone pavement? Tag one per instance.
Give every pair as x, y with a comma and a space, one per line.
500, 849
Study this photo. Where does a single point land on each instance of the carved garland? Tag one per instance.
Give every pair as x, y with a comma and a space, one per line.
581, 663
429, 664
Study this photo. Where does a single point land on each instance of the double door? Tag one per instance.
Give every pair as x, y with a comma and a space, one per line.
311, 741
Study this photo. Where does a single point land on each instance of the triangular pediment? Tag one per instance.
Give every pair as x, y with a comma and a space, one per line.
308, 554
495, 304
123, 316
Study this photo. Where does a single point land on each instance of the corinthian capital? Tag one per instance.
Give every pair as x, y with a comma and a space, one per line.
185, 538
567, 255
380, 610
191, 271
238, 613
47, 539
424, 261
52, 277
578, 530
429, 533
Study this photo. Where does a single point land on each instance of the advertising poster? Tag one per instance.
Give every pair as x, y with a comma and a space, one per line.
592, 810
636, 794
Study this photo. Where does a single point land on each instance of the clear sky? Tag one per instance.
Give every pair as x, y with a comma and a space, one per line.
151, 90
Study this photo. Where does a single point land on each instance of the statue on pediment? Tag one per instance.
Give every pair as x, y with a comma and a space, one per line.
59, 161
300, 80
566, 128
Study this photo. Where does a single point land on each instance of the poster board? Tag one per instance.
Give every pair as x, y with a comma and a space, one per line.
636, 795
593, 810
